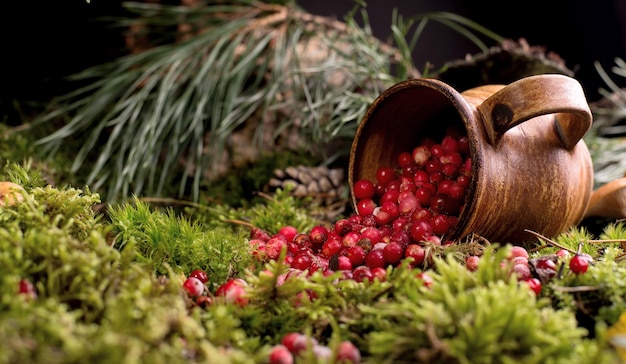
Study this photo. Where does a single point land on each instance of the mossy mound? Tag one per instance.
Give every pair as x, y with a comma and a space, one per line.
109, 289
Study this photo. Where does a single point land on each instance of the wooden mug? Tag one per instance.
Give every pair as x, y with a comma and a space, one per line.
531, 169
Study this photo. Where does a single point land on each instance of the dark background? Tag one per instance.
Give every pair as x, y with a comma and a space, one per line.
42, 42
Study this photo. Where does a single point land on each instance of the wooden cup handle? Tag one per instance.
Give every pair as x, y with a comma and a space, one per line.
538, 95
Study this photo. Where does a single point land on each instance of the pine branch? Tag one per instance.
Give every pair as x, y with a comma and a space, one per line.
171, 109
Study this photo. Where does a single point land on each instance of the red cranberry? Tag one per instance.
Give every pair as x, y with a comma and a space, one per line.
375, 258
364, 189
233, 291
379, 273
405, 159
301, 261
279, 354
441, 224
579, 264
350, 239
343, 226
420, 230
416, 252
534, 284
356, 254
471, 262
331, 247
362, 273
289, 232
318, 234
393, 252
193, 286
347, 352
384, 175
200, 274
421, 155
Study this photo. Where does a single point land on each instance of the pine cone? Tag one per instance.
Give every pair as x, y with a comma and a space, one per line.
326, 187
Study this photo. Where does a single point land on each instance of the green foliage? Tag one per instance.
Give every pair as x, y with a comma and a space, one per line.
240, 186
110, 289
164, 239
269, 214
92, 301
474, 318
606, 137
598, 296
243, 61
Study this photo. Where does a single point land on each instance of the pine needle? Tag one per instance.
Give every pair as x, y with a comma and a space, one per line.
165, 114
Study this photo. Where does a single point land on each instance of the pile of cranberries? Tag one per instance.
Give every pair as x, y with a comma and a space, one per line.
407, 208
294, 344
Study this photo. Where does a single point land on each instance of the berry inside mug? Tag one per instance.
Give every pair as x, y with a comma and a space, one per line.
526, 165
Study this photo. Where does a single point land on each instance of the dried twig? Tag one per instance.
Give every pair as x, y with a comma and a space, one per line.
551, 242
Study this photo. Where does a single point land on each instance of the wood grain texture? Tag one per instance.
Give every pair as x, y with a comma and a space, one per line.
530, 168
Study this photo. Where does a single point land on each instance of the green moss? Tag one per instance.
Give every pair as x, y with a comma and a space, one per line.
164, 239
474, 318
110, 290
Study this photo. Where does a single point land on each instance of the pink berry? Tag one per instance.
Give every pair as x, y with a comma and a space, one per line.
347, 352
289, 232
518, 251
279, 354
302, 343
425, 278
471, 262
193, 286
233, 291
522, 271
289, 339
257, 233
421, 155
562, 253
408, 203
344, 263
275, 246
379, 273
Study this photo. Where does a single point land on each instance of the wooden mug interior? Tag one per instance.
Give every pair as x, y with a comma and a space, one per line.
396, 122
